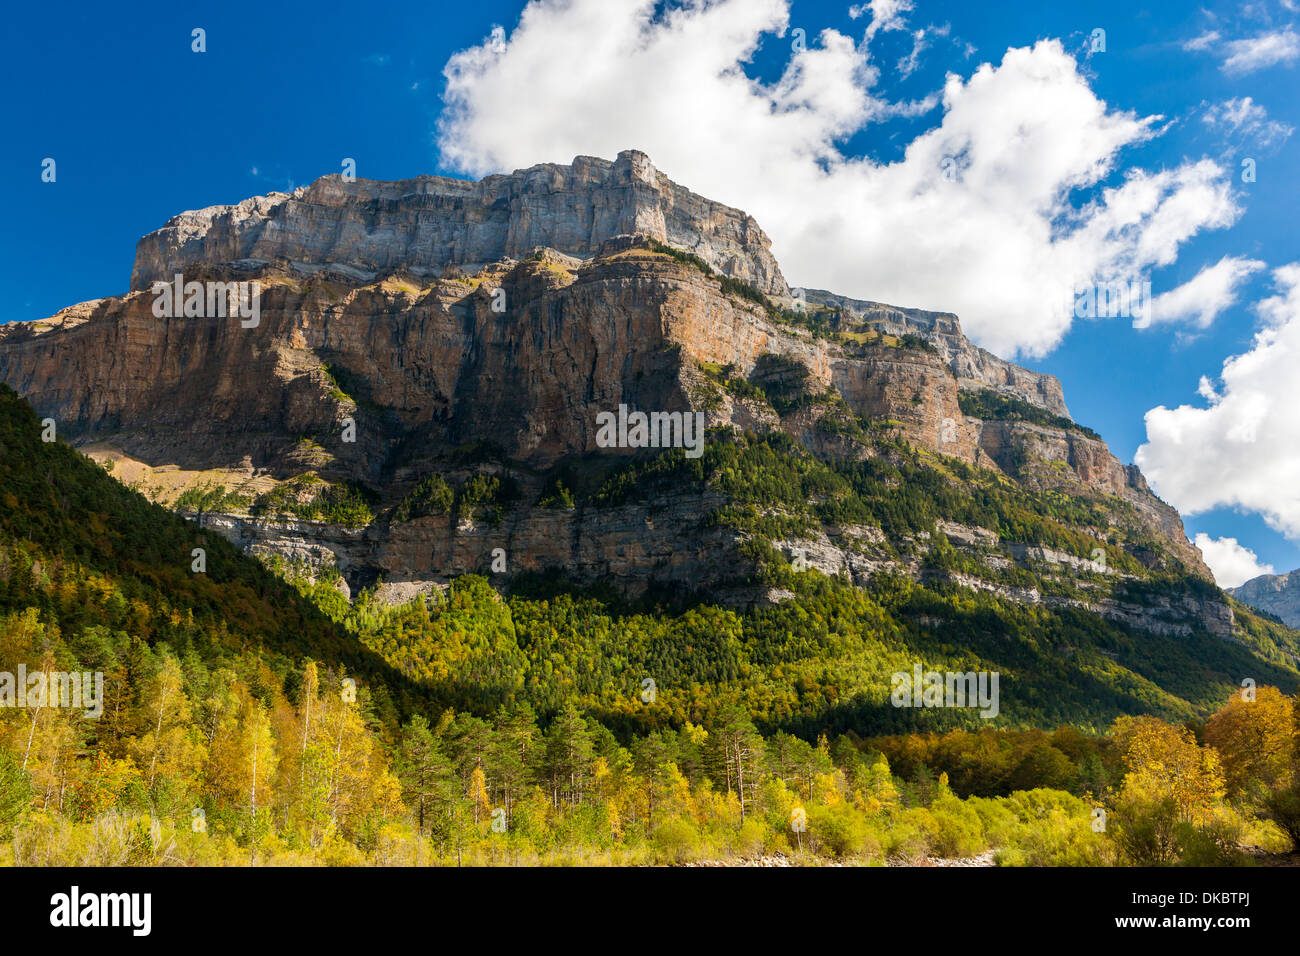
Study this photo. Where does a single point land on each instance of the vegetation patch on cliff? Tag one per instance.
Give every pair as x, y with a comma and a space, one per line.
309, 497
991, 405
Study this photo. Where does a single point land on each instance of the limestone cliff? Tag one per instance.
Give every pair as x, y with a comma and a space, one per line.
363, 227
1278, 594
972, 366
476, 331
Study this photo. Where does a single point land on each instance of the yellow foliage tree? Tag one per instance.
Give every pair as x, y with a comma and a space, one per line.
1256, 740
1163, 759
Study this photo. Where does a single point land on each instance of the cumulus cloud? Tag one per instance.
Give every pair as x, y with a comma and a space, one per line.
1243, 449
1200, 300
1233, 564
975, 218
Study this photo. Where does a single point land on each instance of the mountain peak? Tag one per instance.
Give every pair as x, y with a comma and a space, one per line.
427, 224
1278, 594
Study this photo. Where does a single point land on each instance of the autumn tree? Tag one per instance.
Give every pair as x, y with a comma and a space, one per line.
1256, 740
740, 748
1163, 760
168, 748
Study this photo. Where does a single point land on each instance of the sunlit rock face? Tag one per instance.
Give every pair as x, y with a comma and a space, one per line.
405, 328
364, 227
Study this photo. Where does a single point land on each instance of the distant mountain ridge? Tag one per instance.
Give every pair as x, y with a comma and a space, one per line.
1278, 594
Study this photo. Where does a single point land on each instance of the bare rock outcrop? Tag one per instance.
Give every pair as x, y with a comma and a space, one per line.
426, 224
974, 368
1278, 594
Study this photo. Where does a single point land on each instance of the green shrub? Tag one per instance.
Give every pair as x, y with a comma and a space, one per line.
1283, 808
1147, 831
911, 835
15, 792
676, 840
558, 497
432, 496
485, 496
1216, 843
957, 830
839, 831
209, 497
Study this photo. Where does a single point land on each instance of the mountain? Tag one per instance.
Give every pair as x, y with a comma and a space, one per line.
420, 397
106, 570
1278, 594
426, 224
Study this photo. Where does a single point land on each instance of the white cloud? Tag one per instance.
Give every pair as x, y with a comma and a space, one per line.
921, 40
907, 65
1243, 450
1201, 299
885, 15
1248, 54
997, 240
1235, 114
1233, 564
1242, 120
1265, 50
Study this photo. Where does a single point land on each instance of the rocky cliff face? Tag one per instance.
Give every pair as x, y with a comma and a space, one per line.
423, 225
477, 331
1278, 594
972, 366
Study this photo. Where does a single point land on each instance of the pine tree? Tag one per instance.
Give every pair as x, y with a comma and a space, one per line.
569, 753
424, 771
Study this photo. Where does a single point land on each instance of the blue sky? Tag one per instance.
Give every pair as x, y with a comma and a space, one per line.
141, 127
